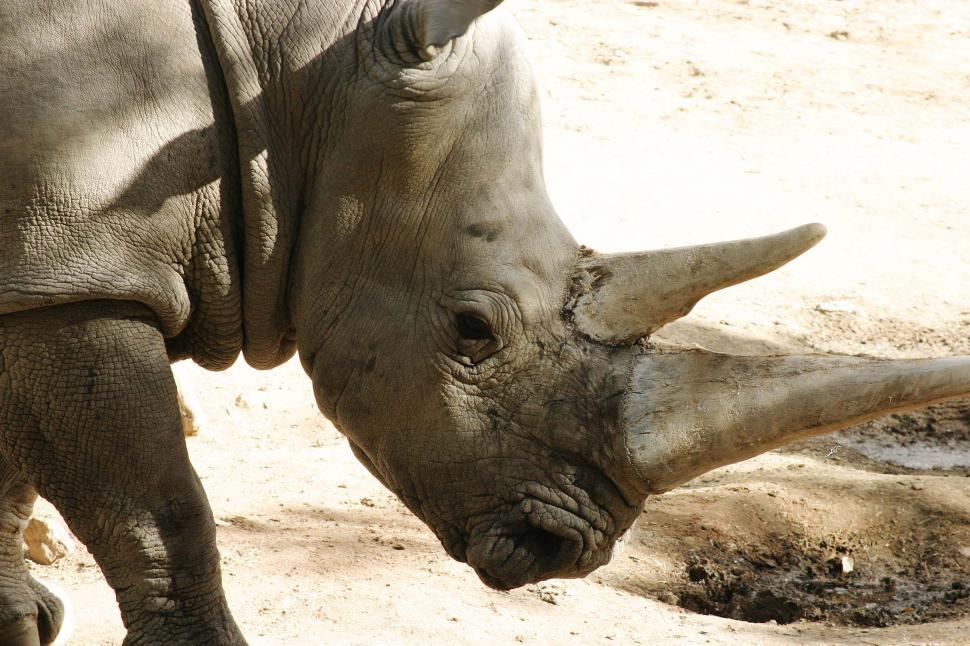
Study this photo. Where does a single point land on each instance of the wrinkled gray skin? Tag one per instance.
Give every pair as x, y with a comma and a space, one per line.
192, 179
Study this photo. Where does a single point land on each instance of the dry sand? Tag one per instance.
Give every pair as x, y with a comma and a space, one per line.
674, 122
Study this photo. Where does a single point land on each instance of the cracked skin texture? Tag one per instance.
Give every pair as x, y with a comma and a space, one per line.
116, 168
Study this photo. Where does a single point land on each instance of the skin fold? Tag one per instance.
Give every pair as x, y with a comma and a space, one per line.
359, 182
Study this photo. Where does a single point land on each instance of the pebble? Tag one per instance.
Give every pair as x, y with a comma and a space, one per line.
848, 564
189, 409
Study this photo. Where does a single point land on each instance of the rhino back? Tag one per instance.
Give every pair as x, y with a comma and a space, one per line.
116, 167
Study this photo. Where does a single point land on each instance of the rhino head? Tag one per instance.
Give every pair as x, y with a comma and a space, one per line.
484, 366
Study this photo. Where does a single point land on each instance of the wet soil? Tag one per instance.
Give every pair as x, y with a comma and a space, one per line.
785, 581
934, 441
816, 542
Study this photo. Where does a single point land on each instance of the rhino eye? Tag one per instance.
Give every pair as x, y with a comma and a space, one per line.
472, 327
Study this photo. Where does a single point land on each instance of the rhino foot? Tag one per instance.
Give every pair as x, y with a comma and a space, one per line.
29, 612
31, 615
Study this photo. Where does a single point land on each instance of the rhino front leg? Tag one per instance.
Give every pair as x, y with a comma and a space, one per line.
29, 614
89, 416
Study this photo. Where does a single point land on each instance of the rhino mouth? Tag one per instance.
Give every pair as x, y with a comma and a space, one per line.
523, 549
546, 535
564, 529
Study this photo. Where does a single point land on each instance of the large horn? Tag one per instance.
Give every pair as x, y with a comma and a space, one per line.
620, 298
688, 412
430, 24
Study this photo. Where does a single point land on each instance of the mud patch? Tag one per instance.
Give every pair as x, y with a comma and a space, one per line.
813, 585
937, 438
792, 544
930, 441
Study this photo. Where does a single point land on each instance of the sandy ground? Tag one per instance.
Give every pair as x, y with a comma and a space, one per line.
675, 122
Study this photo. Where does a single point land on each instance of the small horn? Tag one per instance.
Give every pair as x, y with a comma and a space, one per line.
686, 413
624, 297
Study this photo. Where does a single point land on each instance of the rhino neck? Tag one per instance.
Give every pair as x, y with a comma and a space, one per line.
269, 70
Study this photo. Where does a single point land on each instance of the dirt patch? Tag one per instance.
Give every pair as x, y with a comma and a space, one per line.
861, 331
808, 542
935, 440
786, 583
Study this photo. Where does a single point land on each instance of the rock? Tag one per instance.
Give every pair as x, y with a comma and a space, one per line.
190, 414
848, 564
47, 540
841, 565
192, 417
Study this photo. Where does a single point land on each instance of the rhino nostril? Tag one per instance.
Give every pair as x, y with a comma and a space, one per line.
545, 546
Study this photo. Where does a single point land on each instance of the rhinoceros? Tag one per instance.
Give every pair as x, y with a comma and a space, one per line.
359, 181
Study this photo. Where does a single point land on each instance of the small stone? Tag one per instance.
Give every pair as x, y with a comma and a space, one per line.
47, 540
189, 409
848, 564
840, 565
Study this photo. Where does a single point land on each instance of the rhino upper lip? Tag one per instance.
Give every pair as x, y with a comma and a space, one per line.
541, 549
558, 541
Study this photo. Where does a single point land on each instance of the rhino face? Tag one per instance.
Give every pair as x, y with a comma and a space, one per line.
485, 367
451, 368
508, 462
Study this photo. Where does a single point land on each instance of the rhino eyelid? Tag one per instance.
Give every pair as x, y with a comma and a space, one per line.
471, 326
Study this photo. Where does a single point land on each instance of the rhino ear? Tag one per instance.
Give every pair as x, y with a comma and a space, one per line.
430, 24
